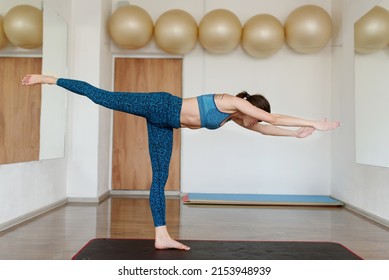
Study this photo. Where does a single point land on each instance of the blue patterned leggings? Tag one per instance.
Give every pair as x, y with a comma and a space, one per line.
162, 112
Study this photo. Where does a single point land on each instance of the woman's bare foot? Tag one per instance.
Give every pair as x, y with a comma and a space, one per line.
164, 241
35, 79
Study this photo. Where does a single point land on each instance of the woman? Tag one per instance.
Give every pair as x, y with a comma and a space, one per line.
164, 112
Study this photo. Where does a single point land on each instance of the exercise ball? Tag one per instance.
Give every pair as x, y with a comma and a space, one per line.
371, 32
130, 27
308, 29
23, 26
263, 35
3, 38
176, 32
220, 31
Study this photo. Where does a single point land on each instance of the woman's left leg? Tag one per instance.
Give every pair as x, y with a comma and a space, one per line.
160, 149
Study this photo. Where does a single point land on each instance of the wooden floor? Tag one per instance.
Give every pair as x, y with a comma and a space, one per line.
60, 233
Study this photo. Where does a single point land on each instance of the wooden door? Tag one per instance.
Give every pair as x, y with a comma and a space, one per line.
20, 110
131, 167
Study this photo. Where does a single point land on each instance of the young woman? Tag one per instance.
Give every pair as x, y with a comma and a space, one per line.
164, 112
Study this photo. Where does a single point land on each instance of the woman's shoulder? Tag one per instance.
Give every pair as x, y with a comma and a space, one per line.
223, 96
225, 102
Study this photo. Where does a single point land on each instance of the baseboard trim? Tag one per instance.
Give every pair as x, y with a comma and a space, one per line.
367, 215
96, 200
141, 193
32, 214
50, 207
104, 196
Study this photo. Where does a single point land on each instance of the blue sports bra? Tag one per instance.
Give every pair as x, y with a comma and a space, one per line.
210, 116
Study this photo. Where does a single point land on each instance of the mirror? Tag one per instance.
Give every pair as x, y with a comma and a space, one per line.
371, 100
53, 106
47, 106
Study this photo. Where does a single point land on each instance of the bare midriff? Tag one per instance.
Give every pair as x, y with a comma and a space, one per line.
190, 114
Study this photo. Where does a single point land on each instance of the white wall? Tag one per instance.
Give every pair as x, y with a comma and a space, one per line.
27, 188
362, 187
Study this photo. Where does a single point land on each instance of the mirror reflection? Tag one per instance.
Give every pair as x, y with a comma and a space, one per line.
372, 86
32, 121
53, 111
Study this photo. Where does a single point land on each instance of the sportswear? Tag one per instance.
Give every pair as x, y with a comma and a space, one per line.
210, 116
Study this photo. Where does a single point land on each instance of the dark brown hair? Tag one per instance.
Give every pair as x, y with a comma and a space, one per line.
257, 100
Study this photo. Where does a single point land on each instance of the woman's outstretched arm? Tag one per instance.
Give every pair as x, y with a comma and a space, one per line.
271, 130
246, 108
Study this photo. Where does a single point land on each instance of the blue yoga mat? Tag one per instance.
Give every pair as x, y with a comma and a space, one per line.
260, 199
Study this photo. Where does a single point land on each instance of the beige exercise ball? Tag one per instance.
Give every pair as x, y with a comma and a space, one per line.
371, 32
176, 32
263, 35
308, 29
3, 38
220, 31
130, 27
23, 26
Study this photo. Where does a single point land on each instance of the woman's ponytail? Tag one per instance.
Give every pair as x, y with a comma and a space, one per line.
243, 95
257, 100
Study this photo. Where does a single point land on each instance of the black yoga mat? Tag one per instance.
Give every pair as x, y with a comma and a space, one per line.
141, 249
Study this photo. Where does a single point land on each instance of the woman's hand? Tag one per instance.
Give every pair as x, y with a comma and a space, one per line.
304, 132
324, 125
